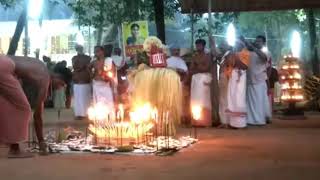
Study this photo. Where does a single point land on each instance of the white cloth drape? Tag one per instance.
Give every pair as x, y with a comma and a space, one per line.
102, 93
258, 104
237, 106
200, 90
82, 99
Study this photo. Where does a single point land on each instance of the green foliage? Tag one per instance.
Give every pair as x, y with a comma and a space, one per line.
105, 12
9, 3
219, 23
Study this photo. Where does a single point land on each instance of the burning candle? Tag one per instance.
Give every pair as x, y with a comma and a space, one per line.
121, 111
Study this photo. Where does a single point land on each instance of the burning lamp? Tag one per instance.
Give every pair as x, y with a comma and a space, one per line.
291, 89
196, 115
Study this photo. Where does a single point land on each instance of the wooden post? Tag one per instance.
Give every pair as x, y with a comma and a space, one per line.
214, 87
313, 42
26, 31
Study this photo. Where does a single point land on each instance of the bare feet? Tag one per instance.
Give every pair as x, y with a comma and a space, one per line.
15, 152
43, 148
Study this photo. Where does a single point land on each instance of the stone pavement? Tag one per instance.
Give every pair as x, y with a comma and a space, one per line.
284, 150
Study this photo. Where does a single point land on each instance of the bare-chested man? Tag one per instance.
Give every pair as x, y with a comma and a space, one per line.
34, 73
81, 79
104, 80
200, 85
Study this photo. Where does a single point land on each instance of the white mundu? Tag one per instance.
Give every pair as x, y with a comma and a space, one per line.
102, 91
237, 106
200, 90
257, 97
82, 99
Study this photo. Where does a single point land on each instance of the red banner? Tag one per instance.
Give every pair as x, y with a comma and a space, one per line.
132, 50
158, 60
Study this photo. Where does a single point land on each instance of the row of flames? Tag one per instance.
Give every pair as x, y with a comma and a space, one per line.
291, 81
106, 125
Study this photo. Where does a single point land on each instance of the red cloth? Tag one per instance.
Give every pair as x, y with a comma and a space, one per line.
15, 111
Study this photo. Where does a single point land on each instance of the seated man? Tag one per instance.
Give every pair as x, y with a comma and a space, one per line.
34, 74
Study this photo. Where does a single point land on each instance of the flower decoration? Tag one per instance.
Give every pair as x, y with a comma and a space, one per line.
151, 44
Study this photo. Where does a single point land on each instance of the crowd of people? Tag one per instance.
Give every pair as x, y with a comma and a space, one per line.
245, 83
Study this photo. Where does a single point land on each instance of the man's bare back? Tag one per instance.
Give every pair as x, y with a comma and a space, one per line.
34, 73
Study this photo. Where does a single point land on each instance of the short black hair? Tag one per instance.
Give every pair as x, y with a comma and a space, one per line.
100, 47
201, 41
264, 39
134, 25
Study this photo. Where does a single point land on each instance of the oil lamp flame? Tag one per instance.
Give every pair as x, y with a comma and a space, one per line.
196, 112
98, 112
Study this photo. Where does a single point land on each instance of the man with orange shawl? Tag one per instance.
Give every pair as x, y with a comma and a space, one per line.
236, 94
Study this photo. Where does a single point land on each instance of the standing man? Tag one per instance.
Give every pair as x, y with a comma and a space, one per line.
224, 76
236, 93
81, 87
257, 97
200, 83
104, 80
66, 75
176, 63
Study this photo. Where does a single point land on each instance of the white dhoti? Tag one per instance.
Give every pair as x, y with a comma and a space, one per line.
200, 96
82, 99
223, 99
237, 107
258, 104
102, 93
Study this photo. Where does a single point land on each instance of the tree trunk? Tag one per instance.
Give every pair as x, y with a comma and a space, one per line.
99, 35
17, 33
159, 18
313, 42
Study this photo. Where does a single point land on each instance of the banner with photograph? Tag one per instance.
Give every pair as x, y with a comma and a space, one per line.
133, 35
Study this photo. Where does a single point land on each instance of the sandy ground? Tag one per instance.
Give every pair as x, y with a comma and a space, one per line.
284, 150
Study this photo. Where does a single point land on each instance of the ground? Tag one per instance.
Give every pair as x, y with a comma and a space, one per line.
283, 150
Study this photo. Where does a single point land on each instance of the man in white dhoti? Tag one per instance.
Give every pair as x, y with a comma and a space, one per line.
81, 83
257, 97
236, 94
200, 84
104, 81
224, 75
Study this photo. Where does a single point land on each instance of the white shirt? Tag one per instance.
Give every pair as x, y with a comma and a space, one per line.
257, 71
175, 62
118, 61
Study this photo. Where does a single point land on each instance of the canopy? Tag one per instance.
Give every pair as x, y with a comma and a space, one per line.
201, 6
